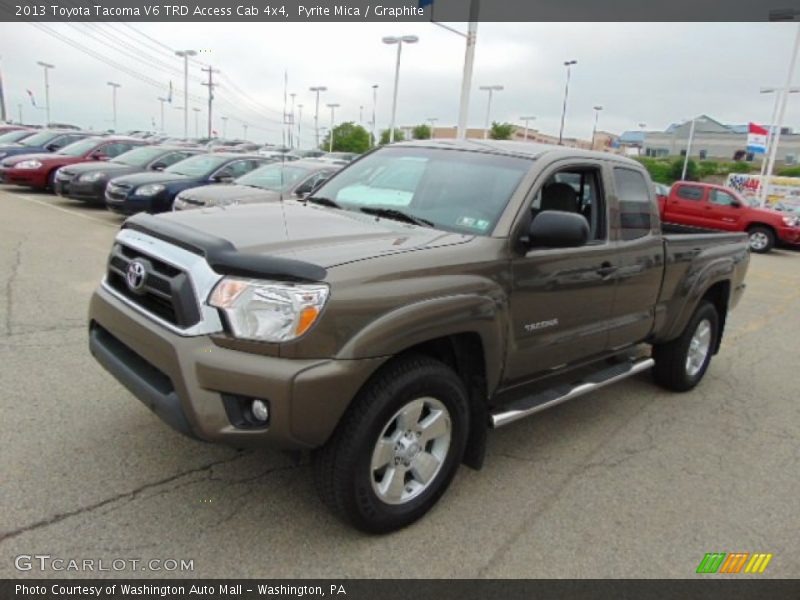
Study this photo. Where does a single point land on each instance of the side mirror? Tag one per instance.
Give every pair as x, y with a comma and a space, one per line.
223, 178
159, 166
52, 147
557, 229
99, 156
736, 204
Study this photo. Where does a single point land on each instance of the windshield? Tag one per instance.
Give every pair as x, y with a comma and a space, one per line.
456, 190
276, 177
197, 166
78, 148
39, 139
13, 136
139, 157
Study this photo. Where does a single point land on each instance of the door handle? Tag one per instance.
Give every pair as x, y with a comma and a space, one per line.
606, 269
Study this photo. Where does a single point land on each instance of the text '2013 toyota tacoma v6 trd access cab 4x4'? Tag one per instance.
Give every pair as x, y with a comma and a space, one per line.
425, 293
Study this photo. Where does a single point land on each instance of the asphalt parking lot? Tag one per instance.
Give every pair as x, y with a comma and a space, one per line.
631, 481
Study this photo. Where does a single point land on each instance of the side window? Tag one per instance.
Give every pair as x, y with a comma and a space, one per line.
577, 191
115, 149
635, 206
722, 198
239, 168
690, 192
170, 159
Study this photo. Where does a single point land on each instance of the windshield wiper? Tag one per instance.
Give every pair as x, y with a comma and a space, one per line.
397, 215
322, 201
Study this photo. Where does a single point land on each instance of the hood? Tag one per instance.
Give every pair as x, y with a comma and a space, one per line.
321, 236
113, 169
41, 157
153, 177
212, 194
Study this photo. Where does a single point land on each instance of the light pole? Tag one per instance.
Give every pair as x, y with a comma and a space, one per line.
196, 122
405, 39
374, 107
490, 89
567, 64
161, 101
688, 147
291, 121
114, 87
526, 120
432, 121
597, 110
185, 54
299, 123
317, 90
46, 67
224, 127
333, 107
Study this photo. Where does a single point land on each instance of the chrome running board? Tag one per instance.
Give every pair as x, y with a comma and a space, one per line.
549, 398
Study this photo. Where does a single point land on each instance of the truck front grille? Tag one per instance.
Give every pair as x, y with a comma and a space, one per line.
166, 292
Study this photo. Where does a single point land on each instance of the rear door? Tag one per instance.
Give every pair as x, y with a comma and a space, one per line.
686, 204
639, 259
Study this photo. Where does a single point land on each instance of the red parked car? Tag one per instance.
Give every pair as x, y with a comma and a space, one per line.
6, 127
39, 170
710, 206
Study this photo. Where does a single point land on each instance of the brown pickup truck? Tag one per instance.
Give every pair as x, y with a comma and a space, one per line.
424, 294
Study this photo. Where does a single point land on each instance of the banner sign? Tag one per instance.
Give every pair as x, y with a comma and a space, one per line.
785, 190
756, 139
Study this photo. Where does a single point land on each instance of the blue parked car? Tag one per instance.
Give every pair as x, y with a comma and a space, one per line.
155, 192
47, 140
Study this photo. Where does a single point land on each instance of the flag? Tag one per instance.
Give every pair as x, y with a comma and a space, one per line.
169, 96
756, 139
30, 93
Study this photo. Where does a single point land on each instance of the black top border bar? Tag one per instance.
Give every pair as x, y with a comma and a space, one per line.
283, 11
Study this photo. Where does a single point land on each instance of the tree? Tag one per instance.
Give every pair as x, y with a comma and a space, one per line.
501, 131
347, 137
676, 169
421, 132
398, 136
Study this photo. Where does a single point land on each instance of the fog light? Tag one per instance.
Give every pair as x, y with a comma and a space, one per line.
260, 410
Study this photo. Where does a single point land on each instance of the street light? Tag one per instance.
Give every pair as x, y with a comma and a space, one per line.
114, 87
597, 110
317, 90
526, 120
567, 64
46, 67
490, 89
196, 122
432, 121
374, 106
405, 39
333, 107
688, 146
162, 100
185, 54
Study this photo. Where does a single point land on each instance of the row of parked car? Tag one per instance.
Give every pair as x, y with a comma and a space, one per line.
134, 173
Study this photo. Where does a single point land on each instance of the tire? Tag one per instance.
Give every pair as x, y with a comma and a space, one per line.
673, 369
51, 182
762, 239
370, 448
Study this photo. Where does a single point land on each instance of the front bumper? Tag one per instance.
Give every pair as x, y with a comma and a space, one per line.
789, 235
132, 204
27, 177
75, 189
183, 380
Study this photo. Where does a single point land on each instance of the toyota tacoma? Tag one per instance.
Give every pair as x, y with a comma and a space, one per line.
426, 293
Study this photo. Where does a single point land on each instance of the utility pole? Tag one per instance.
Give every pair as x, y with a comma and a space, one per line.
114, 87
161, 101
46, 68
3, 115
185, 54
210, 85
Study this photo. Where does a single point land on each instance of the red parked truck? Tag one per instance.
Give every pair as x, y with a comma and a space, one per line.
39, 170
709, 206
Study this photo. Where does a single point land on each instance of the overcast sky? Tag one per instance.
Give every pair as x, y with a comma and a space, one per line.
653, 73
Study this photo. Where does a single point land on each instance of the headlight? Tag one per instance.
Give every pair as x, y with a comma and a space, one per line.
28, 164
96, 176
150, 189
269, 311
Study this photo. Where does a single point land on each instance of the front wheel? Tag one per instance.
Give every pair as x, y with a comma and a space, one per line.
398, 447
681, 363
762, 239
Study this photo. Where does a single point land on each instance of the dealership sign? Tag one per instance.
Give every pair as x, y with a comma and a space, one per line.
779, 189
756, 139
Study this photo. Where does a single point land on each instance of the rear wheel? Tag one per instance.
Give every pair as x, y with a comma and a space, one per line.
762, 239
682, 363
398, 447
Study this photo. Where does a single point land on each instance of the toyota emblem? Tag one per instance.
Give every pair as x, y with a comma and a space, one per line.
136, 275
